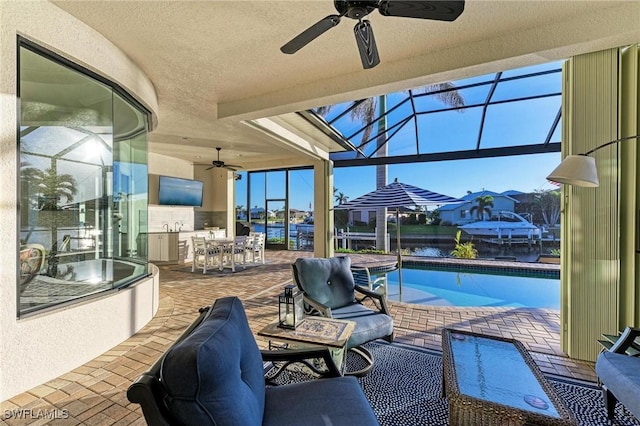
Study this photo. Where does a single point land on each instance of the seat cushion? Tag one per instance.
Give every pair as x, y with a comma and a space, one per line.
370, 325
621, 375
328, 281
31, 259
215, 375
336, 401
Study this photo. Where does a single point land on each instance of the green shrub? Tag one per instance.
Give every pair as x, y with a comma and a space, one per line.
464, 250
362, 251
344, 250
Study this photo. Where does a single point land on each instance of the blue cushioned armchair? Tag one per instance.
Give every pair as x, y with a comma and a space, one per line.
330, 290
213, 375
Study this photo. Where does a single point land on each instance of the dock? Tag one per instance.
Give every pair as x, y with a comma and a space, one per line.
350, 240
345, 239
513, 241
519, 241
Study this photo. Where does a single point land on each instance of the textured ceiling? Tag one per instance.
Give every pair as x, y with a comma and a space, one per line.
216, 63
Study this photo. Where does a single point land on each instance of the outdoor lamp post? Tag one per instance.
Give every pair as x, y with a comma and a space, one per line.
580, 170
290, 307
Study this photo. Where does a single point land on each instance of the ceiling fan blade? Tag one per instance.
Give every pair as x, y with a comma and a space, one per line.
440, 10
310, 34
366, 44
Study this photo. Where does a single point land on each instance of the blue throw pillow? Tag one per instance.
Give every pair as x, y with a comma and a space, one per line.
215, 375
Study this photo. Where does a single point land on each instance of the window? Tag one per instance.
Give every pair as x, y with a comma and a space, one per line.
83, 183
280, 205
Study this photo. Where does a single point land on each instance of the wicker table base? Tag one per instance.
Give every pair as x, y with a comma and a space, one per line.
494, 381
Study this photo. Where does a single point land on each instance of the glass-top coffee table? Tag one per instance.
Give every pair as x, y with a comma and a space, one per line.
494, 381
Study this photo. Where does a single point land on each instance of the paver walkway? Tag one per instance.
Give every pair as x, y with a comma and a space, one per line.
95, 393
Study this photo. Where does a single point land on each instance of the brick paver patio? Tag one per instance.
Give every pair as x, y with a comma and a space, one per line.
95, 393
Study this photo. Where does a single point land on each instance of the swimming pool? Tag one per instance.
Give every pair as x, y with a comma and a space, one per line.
452, 286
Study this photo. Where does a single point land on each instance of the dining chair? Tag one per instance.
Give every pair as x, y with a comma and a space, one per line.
248, 248
240, 250
205, 256
257, 251
227, 254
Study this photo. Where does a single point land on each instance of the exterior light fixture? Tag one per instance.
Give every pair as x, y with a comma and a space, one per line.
290, 307
580, 170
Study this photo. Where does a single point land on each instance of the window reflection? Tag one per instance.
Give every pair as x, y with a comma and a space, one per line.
83, 185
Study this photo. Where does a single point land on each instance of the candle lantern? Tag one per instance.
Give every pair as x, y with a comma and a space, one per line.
290, 307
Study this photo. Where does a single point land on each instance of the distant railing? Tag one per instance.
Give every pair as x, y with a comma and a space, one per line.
344, 239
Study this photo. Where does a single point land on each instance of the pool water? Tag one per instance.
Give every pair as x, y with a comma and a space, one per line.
474, 288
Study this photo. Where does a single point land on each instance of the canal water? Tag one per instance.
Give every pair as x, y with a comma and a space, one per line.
428, 247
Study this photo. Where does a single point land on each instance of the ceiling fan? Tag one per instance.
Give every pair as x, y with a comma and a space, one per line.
220, 164
440, 10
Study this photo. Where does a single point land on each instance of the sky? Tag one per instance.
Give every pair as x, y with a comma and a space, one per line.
521, 122
526, 173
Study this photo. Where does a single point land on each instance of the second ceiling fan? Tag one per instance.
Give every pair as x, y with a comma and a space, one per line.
221, 164
439, 10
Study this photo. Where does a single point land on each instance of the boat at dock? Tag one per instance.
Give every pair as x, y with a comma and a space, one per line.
503, 225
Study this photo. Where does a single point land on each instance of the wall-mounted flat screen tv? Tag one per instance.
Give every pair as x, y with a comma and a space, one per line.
174, 191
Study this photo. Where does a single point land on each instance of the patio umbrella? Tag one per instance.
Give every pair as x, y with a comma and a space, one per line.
396, 195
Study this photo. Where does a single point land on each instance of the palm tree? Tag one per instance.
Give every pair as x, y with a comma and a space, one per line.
548, 202
484, 205
365, 111
52, 188
341, 198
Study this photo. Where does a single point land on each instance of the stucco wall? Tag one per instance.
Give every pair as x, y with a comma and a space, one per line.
169, 166
36, 349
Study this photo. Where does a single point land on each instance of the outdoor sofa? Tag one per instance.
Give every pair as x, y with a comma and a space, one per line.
619, 374
214, 375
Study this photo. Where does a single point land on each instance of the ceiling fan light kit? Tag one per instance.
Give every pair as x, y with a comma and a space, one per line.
439, 10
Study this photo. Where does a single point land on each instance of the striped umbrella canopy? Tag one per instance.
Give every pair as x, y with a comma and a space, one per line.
396, 195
